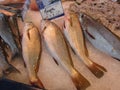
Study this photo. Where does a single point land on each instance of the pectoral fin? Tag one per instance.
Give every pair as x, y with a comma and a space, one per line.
90, 35
55, 61
116, 58
28, 34
73, 50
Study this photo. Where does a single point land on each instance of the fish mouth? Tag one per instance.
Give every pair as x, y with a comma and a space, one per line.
81, 17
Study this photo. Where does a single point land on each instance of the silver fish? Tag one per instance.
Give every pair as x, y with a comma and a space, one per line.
31, 50
74, 35
58, 49
6, 35
100, 36
4, 65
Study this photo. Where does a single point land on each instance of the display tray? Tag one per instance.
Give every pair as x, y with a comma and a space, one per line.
54, 77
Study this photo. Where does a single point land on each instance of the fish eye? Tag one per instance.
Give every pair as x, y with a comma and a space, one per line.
82, 16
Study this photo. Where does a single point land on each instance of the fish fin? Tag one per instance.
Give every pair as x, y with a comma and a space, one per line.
63, 27
37, 83
73, 50
80, 82
97, 69
28, 34
90, 35
55, 61
116, 58
10, 70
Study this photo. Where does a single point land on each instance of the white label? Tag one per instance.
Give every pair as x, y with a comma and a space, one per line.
50, 9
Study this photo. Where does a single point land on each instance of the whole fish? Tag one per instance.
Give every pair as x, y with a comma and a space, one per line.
6, 84
4, 65
6, 35
100, 36
31, 49
74, 35
57, 47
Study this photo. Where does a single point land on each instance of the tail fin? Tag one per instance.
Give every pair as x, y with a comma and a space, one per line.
80, 82
97, 69
11, 69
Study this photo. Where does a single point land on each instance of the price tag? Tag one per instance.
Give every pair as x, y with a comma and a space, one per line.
50, 9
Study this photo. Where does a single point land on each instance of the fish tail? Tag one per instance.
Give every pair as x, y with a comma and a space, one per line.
11, 69
80, 82
97, 69
37, 83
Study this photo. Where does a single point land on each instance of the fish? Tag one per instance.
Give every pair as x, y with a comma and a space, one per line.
13, 23
73, 33
7, 36
11, 11
57, 47
5, 66
31, 50
7, 84
100, 36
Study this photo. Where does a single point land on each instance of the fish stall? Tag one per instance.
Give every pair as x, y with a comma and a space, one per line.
59, 44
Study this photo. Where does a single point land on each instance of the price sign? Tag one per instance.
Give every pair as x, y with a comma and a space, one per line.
50, 9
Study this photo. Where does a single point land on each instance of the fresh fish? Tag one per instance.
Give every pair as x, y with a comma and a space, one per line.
74, 35
4, 65
100, 36
11, 11
57, 47
31, 47
6, 84
6, 35
15, 29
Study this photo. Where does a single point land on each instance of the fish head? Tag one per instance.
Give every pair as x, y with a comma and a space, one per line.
44, 25
84, 19
28, 26
70, 20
